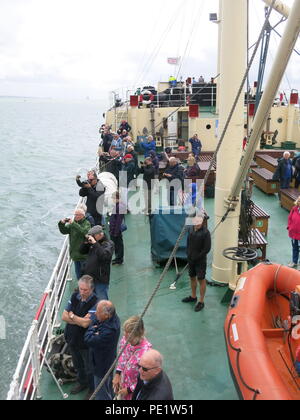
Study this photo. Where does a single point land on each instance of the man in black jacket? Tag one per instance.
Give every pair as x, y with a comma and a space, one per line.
148, 171
153, 383
100, 251
198, 246
173, 172
93, 189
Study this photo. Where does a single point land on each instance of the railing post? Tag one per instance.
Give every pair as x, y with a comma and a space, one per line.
35, 358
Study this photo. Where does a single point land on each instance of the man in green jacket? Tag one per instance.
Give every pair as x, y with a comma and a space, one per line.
77, 229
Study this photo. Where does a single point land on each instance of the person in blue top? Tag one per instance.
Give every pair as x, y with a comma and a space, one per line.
148, 146
196, 146
284, 171
117, 143
77, 316
102, 339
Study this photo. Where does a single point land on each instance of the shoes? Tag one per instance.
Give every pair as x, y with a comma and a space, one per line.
114, 262
189, 299
292, 265
199, 307
78, 388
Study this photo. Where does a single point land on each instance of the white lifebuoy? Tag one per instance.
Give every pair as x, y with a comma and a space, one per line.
147, 97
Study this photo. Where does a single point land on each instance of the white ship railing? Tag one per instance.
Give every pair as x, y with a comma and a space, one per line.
26, 380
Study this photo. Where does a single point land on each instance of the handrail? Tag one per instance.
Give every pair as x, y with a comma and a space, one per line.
25, 382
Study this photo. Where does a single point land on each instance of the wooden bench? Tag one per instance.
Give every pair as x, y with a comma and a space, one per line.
288, 198
257, 241
204, 168
267, 162
261, 219
276, 154
263, 180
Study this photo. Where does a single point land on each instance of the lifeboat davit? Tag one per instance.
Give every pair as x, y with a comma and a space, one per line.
262, 333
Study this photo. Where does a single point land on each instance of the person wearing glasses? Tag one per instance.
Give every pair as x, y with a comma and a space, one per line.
153, 383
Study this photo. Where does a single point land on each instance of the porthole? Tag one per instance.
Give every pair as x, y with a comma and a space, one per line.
280, 120
208, 127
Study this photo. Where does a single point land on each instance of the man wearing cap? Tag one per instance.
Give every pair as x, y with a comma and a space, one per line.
129, 167
99, 250
198, 246
92, 189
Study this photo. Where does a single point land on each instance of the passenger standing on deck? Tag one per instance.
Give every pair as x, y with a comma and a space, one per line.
173, 172
77, 317
198, 246
76, 229
153, 383
284, 171
99, 251
92, 189
149, 173
102, 339
115, 228
127, 371
148, 146
294, 231
196, 146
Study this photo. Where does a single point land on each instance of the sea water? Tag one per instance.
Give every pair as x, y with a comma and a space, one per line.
43, 144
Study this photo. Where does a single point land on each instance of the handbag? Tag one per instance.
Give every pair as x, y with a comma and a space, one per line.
123, 227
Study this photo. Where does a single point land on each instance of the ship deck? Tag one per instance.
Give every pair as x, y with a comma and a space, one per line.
192, 343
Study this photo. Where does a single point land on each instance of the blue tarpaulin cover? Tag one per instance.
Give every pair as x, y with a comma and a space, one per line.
165, 230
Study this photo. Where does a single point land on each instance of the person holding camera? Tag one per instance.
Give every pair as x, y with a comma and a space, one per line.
99, 250
76, 229
92, 189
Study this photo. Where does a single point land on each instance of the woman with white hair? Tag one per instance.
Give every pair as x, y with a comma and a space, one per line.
294, 231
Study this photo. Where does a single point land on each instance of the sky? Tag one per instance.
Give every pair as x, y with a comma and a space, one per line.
73, 49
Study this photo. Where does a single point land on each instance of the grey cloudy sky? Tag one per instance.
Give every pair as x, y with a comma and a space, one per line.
78, 48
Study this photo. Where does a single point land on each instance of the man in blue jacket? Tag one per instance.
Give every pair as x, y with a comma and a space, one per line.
148, 146
102, 339
196, 146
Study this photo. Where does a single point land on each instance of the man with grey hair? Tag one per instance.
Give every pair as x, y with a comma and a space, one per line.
102, 339
153, 383
77, 316
198, 246
92, 189
284, 171
76, 228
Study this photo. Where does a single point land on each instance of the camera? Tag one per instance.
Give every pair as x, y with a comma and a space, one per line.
85, 182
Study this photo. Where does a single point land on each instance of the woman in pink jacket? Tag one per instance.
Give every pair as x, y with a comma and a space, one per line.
294, 231
127, 371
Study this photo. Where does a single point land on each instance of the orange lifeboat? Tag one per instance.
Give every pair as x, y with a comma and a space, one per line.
262, 332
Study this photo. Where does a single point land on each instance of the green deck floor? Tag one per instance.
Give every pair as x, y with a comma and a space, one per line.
192, 343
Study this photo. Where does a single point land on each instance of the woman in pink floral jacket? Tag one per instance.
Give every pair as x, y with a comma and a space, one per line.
126, 376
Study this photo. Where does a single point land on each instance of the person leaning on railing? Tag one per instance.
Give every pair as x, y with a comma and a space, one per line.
76, 229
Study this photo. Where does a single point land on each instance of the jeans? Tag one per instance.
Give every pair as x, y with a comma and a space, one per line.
295, 245
119, 248
285, 183
106, 392
101, 291
78, 270
297, 367
81, 362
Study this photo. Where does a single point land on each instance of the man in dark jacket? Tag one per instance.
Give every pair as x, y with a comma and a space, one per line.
77, 317
102, 339
284, 171
93, 189
173, 172
111, 162
198, 246
148, 171
117, 219
99, 252
153, 383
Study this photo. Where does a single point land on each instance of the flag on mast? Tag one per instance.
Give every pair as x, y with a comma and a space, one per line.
174, 60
